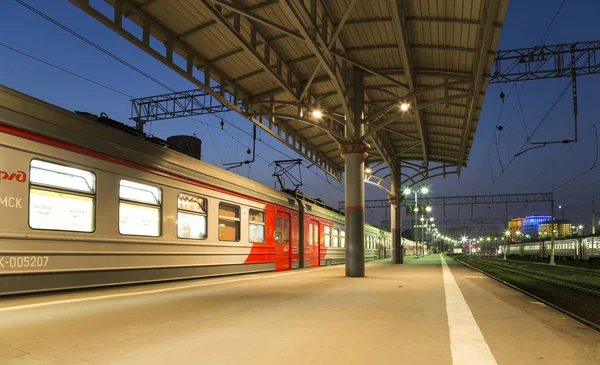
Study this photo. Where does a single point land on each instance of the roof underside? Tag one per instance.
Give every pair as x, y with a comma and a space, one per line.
277, 59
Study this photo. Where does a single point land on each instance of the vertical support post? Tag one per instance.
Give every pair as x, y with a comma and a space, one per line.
552, 233
423, 234
354, 151
396, 216
593, 218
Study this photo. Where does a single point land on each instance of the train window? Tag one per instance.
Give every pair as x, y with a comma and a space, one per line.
310, 234
191, 217
316, 234
327, 236
229, 222
336, 237
256, 225
139, 209
286, 231
343, 239
278, 229
63, 177
140, 193
61, 198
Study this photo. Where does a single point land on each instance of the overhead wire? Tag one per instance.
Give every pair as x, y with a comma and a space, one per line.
556, 13
141, 72
65, 70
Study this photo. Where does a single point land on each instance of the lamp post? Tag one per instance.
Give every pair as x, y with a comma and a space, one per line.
424, 190
507, 234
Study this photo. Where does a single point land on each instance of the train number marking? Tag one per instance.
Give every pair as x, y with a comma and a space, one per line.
19, 262
11, 202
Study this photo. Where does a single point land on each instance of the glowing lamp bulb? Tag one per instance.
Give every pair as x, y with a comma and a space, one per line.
368, 170
404, 107
317, 114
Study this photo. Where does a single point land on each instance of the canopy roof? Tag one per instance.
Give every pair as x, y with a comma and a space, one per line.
275, 61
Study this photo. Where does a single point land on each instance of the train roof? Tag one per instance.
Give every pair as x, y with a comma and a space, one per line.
28, 113
104, 135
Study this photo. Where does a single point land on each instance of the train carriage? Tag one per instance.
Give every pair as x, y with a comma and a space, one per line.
83, 204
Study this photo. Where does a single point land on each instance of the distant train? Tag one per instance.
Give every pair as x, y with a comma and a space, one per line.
85, 204
584, 248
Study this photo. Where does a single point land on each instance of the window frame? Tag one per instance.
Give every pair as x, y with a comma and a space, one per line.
53, 188
286, 230
335, 237
255, 223
193, 212
159, 207
238, 220
327, 236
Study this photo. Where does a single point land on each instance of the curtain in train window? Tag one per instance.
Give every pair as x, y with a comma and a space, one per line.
61, 197
336, 237
256, 224
191, 217
327, 236
229, 222
139, 209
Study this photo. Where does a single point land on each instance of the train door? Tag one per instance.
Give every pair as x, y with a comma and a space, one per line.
315, 249
283, 253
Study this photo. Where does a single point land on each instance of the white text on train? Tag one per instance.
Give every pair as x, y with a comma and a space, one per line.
11, 202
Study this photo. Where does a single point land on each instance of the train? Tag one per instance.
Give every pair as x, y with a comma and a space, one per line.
86, 201
579, 248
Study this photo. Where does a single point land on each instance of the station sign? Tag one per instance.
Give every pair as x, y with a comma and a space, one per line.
410, 210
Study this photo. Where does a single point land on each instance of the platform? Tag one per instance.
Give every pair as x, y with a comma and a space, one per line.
397, 314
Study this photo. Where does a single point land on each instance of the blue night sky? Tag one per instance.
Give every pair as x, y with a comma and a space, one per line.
540, 170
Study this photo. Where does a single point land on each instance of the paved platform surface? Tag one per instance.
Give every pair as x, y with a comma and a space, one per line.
397, 314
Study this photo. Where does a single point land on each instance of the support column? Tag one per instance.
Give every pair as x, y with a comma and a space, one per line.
396, 218
354, 151
354, 154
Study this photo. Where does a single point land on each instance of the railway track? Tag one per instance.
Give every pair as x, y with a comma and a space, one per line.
480, 265
577, 285
576, 270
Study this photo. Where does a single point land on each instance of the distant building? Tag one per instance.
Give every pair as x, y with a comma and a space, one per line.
562, 228
531, 224
515, 227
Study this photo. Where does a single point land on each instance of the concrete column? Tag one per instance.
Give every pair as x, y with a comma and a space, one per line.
354, 150
396, 216
354, 154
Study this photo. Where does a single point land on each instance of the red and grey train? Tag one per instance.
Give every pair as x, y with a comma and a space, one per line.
85, 204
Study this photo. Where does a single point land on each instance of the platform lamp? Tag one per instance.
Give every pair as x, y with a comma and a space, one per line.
507, 234
423, 190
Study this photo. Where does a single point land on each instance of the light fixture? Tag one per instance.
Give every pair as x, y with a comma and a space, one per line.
407, 191
368, 170
428, 209
404, 106
317, 114
424, 190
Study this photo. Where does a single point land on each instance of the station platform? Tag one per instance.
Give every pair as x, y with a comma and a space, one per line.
430, 310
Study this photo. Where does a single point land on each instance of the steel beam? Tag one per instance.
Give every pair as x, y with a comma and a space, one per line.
212, 74
465, 200
248, 47
546, 62
489, 13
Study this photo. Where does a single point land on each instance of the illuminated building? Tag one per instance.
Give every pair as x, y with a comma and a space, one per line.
562, 228
516, 225
531, 224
